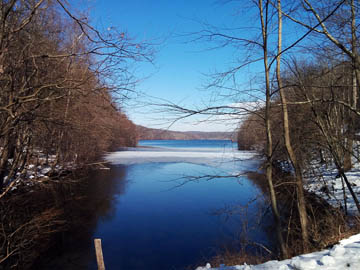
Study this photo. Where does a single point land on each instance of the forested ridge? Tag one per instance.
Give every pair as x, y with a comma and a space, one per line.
144, 133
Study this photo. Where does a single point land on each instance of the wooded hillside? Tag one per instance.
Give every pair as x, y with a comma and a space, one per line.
144, 133
61, 82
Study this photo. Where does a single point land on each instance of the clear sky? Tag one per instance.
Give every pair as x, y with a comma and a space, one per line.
178, 73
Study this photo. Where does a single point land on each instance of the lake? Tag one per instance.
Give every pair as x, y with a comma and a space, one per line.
168, 205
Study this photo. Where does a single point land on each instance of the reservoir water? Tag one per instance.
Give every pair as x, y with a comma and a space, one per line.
168, 205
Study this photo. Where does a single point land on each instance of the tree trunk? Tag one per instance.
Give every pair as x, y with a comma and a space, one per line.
353, 99
269, 145
351, 190
301, 203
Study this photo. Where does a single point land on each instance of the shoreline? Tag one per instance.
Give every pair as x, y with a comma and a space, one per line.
46, 182
325, 257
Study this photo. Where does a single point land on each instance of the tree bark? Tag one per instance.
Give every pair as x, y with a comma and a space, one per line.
351, 190
301, 203
354, 97
269, 144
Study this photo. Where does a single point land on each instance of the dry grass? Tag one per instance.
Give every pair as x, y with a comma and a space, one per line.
230, 257
327, 226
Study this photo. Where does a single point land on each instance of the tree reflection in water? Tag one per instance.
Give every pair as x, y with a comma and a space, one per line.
145, 222
86, 203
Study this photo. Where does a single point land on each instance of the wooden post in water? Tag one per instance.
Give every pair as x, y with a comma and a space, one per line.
99, 254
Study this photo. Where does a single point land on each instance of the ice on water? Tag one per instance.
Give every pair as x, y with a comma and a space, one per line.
219, 157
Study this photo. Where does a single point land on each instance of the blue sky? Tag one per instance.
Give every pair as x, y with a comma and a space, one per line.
178, 73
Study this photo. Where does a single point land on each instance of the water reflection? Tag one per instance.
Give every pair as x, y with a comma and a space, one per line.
157, 226
148, 222
85, 204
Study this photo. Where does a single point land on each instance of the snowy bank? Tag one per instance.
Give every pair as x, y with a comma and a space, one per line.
345, 255
325, 183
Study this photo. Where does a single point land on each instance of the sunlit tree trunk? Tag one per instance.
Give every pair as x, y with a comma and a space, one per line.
354, 97
269, 143
301, 203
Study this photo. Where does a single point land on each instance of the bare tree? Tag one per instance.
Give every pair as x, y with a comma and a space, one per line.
324, 93
297, 168
260, 48
341, 32
264, 18
50, 57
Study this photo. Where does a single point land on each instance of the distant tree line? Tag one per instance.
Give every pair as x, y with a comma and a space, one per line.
164, 134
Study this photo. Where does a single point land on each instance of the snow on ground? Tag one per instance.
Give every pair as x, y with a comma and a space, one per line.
35, 173
345, 255
328, 186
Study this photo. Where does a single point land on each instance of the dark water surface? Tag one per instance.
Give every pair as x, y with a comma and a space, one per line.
151, 215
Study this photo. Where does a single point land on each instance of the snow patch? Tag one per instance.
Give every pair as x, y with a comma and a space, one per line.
326, 184
345, 255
